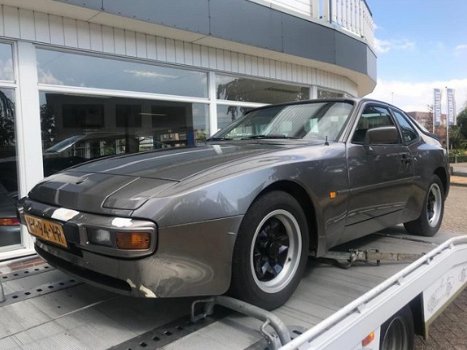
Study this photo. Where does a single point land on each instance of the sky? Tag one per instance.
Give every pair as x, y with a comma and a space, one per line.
420, 45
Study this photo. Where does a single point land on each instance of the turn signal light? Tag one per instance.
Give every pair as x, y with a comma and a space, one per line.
9, 222
133, 240
369, 338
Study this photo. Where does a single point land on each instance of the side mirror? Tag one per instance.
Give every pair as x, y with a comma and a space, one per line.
384, 135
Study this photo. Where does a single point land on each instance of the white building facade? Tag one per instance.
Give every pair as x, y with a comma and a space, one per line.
85, 79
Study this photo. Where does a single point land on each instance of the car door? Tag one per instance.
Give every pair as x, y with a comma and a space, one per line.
380, 175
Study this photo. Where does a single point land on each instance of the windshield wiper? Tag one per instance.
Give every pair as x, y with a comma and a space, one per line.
272, 136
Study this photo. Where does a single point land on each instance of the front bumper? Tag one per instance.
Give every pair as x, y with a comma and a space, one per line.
190, 260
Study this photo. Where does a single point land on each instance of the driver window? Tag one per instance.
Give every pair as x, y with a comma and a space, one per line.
372, 117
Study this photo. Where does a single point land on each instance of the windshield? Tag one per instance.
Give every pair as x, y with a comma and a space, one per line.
322, 120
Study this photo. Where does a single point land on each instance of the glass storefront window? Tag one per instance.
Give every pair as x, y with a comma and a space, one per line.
65, 68
79, 128
252, 90
228, 114
329, 94
10, 236
6, 63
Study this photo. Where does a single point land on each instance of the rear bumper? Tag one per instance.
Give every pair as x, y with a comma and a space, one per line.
192, 259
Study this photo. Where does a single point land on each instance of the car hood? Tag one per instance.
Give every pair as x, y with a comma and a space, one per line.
175, 164
127, 182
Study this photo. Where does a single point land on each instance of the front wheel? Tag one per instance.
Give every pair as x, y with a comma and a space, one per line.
270, 252
397, 333
429, 221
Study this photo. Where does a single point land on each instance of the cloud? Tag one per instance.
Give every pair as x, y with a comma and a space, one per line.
46, 77
384, 46
149, 74
416, 96
461, 47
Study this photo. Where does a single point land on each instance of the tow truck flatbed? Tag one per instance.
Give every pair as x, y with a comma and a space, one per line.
44, 308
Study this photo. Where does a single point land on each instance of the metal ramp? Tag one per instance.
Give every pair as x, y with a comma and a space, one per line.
68, 314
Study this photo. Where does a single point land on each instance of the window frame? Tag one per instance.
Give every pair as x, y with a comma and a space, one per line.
120, 92
407, 119
392, 118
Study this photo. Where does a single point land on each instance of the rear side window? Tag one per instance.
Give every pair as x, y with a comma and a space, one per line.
408, 132
372, 117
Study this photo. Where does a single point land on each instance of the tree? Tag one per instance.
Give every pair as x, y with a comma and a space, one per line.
456, 139
462, 122
7, 121
48, 128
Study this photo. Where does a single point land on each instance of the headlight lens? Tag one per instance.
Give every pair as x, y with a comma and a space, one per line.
100, 237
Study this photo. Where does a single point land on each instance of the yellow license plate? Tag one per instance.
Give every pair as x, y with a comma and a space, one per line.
46, 230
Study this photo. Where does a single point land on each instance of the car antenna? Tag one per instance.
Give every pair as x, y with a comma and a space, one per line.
326, 143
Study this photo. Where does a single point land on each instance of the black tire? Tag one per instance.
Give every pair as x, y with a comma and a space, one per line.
270, 251
397, 333
431, 216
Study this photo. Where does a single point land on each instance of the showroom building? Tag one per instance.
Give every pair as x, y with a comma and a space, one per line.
81, 79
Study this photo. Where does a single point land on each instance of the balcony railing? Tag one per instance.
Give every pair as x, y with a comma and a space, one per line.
353, 16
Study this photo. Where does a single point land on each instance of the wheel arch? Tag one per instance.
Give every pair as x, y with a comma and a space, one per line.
443, 176
301, 195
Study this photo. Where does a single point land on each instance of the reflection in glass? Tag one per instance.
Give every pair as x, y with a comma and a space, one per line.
64, 68
6, 63
228, 114
9, 225
314, 121
252, 90
79, 128
329, 94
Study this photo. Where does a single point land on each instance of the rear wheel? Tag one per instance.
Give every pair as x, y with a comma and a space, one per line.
429, 221
397, 333
270, 252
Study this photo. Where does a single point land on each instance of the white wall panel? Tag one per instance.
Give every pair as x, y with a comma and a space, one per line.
108, 39
71, 32
212, 58
57, 35
151, 51
96, 37
219, 56
2, 25
261, 66
234, 59
179, 52
160, 47
119, 41
301, 6
170, 50
141, 45
254, 66
204, 57
130, 43
84, 35
26, 24
11, 22
188, 53
67, 32
196, 55
247, 64
42, 27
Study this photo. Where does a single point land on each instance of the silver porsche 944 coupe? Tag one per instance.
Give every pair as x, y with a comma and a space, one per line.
241, 213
